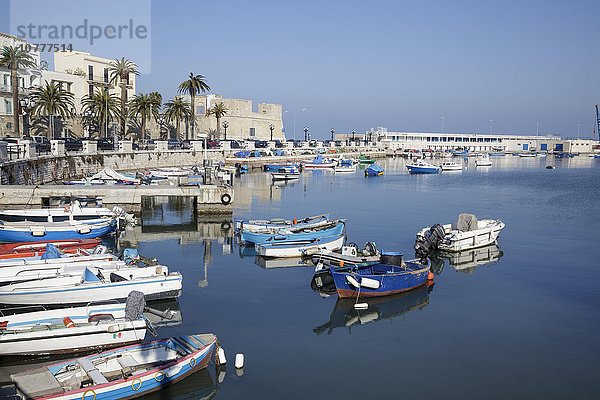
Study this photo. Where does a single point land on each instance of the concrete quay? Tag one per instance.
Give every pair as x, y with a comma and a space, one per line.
208, 199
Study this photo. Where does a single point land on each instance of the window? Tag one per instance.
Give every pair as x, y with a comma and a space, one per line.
200, 110
90, 90
106, 75
91, 72
8, 106
252, 131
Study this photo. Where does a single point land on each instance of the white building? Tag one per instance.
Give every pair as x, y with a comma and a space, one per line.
27, 78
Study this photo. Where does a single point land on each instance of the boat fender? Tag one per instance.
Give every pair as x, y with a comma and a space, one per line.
239, 360
361, 306
192, 362
295, 221
430, 276
225, 199
221, 356
86, 393
369, 283
352, 281
68, 322
159, 376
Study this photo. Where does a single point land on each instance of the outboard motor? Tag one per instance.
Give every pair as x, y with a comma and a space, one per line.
430, 241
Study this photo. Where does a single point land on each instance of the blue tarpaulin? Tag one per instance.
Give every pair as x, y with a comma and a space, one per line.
51, 252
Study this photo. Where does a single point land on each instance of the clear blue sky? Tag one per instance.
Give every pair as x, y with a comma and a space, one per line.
398, 64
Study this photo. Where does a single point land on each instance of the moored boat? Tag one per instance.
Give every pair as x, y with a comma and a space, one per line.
35, 231
30, 249
467, 233
68, 330
343, 169
332, 228
422, 167
319, 162
379, 279
274, 224
483, 160
282, 247
374, 170
72, 212
155, 282
125, 372
451, 166
362, 159
285, 176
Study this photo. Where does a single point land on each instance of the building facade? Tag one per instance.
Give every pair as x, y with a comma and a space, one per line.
243, 121
27, 79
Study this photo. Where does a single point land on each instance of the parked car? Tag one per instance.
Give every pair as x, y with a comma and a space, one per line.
278, 144
105, 144
72, 144
186, 145
147, 144
213, 144
261, 144
174, 144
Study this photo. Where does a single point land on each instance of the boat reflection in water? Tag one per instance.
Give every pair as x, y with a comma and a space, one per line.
466, 261
198, 386
169, 313
269, 263
388, 307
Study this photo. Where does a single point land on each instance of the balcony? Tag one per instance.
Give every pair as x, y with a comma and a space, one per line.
8, 89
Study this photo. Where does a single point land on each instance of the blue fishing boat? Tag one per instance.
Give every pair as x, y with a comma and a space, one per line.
290, 168
319, 162
379, 279
334, 228
374, 170
421, 167
67, 230
461, 152
126, 372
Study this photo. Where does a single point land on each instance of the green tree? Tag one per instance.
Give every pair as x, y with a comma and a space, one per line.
15, 58
194, 85
50, 100
144, 106
102, 107
177, 110
120, 72
218, 110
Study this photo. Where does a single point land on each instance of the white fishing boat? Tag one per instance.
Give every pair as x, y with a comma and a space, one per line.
155, 282
483, 160
345, 169
451, 166
66, 267
68, 330
467, 233
170, 172
285, 176
280, 247
72, 213
319, 162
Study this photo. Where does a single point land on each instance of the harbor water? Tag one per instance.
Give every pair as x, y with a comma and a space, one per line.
517, 320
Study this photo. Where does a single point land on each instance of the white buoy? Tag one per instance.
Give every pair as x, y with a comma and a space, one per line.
361, 306
221, 356
239, 360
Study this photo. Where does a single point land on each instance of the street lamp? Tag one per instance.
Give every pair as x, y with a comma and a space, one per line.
225, 126
305, 133
353, 133
271, 127
296, 113
332, 132
25, 102
161, 124
87, 122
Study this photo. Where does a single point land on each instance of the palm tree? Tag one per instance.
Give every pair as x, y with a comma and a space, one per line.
120, 71
51, 100
102, 107
177, 109
144, 106
14, 58
218, 110
195, 84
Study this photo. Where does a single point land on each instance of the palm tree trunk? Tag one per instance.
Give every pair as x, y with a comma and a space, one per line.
123, 108
49, 129
193, 98
15, 96
179, 136
218, 127
143, 128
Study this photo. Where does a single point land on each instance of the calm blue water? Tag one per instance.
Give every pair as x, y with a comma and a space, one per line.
522, 326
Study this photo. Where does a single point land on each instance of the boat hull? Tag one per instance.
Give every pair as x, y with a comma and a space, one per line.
284, 176
253, 237
287, 249
389, 283
48, 232
413, 169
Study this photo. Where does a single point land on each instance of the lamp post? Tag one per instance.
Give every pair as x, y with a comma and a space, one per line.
271, 127
161, 125
87, 122
332, 132
25, 102
296, 113
305, 133
225, 126
353, 133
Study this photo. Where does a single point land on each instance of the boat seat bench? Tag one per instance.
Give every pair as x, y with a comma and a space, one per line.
91, 371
